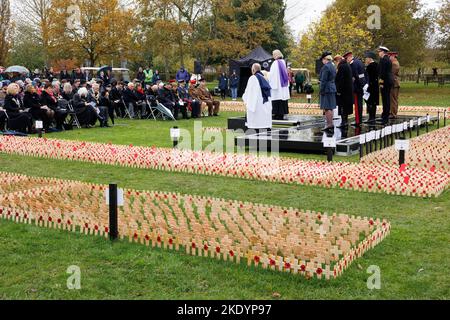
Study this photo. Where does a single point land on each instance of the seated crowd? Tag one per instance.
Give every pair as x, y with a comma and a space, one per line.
60, 101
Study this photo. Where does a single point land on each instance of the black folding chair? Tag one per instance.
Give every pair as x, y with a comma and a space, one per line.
73, 116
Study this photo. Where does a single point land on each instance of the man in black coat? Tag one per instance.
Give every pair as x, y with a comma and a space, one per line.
373, 90
359, 82
167, 97
344, 88
386, 81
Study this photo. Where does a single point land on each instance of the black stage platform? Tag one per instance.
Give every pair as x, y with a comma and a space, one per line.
303, 134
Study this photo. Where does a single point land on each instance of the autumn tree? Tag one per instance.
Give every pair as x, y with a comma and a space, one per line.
35, 15
99, 31
404, 25
5, 30
335, 32
26, 49
443, 31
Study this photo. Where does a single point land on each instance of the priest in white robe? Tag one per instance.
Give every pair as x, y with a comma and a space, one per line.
279, 82
257, 98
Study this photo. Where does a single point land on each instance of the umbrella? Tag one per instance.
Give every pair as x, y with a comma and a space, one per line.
165, 111
17, 69
104, 69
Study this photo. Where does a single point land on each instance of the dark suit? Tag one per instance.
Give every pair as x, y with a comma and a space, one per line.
344, 87
359, 81
374, 90
386, 81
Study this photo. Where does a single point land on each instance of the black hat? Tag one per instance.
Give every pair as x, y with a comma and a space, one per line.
370, 54
325, 54
201, 80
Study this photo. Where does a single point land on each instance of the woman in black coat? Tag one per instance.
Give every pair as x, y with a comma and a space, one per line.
48, 99
32, 102
344, 88
17, 119
86, 114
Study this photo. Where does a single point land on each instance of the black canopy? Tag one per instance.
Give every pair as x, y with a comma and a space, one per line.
243, 66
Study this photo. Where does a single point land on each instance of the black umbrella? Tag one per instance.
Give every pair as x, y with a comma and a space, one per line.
104, 69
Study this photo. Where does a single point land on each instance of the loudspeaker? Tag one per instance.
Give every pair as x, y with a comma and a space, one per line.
198, 69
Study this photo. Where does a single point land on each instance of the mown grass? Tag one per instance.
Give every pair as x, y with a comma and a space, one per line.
414, 260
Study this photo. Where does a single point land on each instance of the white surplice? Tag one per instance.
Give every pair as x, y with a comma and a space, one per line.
259, 114
278, 92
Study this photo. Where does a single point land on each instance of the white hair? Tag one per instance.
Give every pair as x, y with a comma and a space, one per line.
83, 92
277, 54
67, 87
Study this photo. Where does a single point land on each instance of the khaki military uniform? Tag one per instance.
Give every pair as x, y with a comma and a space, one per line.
395, 91
205, 96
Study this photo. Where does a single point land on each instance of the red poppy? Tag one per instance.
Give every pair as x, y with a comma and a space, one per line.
256, 258
205, 247
319, 271
218, 249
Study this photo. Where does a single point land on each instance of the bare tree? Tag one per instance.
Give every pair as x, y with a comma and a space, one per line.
36, 15
5, 29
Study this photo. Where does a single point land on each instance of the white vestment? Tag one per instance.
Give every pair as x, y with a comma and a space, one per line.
259, 114
278, 92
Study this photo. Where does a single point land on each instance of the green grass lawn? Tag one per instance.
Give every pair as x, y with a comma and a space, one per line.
414, 260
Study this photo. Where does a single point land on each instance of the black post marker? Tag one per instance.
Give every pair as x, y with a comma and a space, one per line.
360, 151
445, 118
426, 123
410, 130
418, 127
401, 156
439, 118
329, 154
113, 218
40, 133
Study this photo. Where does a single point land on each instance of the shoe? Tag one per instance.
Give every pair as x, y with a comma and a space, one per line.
216, 115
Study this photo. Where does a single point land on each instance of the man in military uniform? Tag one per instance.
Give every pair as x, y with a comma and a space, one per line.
374, 90
395, 90
359, 83
386, 81
205, 96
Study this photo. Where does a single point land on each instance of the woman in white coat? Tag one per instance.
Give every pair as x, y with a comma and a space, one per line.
257, 98
279, 81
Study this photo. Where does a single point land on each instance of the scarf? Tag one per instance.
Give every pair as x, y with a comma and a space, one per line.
264, 85
284, 77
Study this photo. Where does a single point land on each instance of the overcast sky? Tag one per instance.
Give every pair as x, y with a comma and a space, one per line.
300, 13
